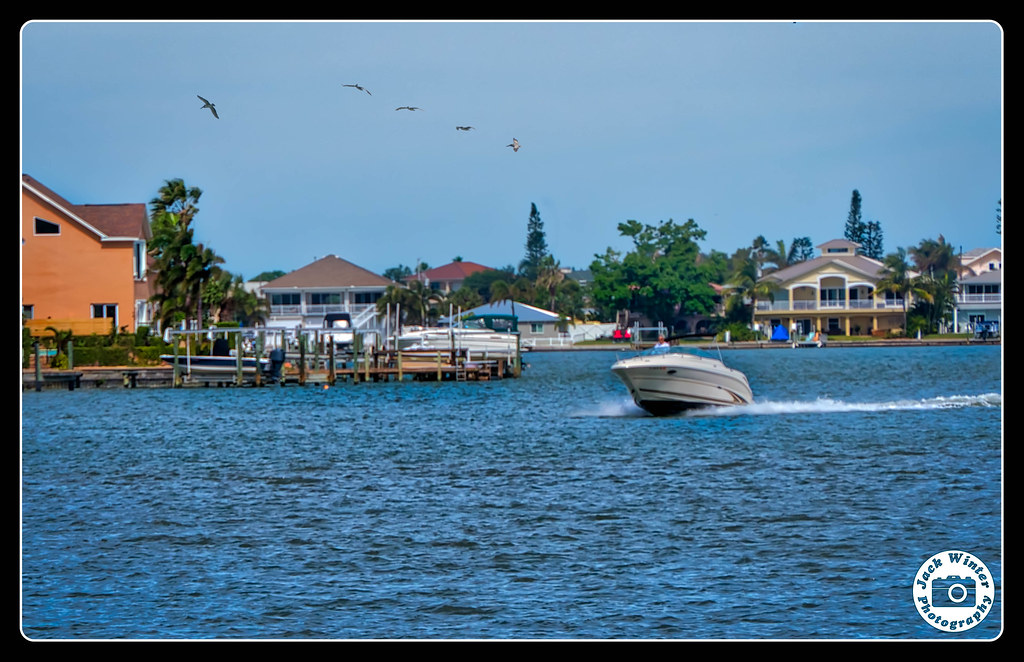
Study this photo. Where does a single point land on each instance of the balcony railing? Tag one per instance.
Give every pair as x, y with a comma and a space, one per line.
856, 304
319, 309
991, 297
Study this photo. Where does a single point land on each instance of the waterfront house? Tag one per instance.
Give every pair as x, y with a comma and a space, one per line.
447, 278
834, 293
980, 260
83, 267
980, 300
329, 285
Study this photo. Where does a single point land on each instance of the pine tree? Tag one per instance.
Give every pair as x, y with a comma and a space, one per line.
855, 228
536, 245
871, 246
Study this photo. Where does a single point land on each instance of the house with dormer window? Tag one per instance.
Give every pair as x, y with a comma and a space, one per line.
834, 293
83, 267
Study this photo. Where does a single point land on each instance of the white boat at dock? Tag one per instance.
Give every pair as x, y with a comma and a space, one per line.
221, 361
215, 365
673, 379
479, 336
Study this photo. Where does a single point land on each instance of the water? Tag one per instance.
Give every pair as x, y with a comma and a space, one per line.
548, 507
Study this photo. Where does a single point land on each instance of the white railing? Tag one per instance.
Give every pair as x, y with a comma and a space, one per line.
857, 304
310, 309
992, 297
564, 341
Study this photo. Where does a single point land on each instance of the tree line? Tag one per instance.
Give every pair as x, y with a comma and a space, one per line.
662, 277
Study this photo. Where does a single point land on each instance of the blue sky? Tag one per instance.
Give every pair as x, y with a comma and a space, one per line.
748, 128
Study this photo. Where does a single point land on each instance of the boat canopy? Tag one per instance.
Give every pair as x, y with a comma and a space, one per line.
494, 322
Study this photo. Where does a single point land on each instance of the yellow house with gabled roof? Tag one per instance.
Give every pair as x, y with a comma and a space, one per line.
834, 293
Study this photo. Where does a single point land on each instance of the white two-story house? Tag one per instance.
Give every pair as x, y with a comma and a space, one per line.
329, 285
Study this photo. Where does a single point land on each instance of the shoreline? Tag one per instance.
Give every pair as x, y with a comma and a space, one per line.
769, 344
161, 376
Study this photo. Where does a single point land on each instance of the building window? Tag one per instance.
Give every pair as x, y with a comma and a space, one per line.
104, 310
139, 260
366, 297
536, 327
46, 227
324, 298
142, 310
28, 312
288, 299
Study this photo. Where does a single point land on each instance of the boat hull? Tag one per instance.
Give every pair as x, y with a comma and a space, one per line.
475, 342
216, 365
669, 384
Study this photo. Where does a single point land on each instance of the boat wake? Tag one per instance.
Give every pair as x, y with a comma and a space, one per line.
628, 409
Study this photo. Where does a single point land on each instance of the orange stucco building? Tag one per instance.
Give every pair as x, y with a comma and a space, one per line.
83, 267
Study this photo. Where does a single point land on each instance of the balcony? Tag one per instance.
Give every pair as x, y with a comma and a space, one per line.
987, 298
802, 305
319, 309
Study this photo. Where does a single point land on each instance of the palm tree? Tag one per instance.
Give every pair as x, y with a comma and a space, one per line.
549, 277
940, 301
935, 257
502, 291
238, 303
897, 278
182, 268
746, 285
417, 301
176, 198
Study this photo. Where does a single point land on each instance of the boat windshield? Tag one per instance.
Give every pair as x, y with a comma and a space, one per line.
677, 349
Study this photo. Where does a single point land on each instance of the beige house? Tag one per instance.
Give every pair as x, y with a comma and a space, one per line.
833, 293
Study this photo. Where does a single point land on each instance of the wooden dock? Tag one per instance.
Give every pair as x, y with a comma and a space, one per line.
298, 369
390, 365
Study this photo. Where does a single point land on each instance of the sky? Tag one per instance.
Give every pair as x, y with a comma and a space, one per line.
750, 129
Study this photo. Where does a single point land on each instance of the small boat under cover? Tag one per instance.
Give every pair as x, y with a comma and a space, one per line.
670, 380
216, 365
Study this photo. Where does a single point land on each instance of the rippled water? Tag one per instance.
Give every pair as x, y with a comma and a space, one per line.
548, 507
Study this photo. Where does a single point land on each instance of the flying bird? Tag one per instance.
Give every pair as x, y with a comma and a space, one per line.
207, 104
463, 128
514, 145
358, 87
408, 108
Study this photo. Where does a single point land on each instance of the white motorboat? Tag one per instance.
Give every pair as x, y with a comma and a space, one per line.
216, 365
670, 380
476, 335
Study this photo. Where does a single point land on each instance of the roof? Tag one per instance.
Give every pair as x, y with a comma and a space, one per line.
993, 276
525, 312
329, 271
109, 221
977, 253
852, 246
451, 271
866, 266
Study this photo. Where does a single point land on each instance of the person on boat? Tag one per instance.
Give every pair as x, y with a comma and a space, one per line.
662, 344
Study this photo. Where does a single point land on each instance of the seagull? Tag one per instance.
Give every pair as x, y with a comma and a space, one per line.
207, 104
463, 128
358, 87
514, 145
408, 108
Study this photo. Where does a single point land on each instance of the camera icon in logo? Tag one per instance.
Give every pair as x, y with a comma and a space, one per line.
954, 591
